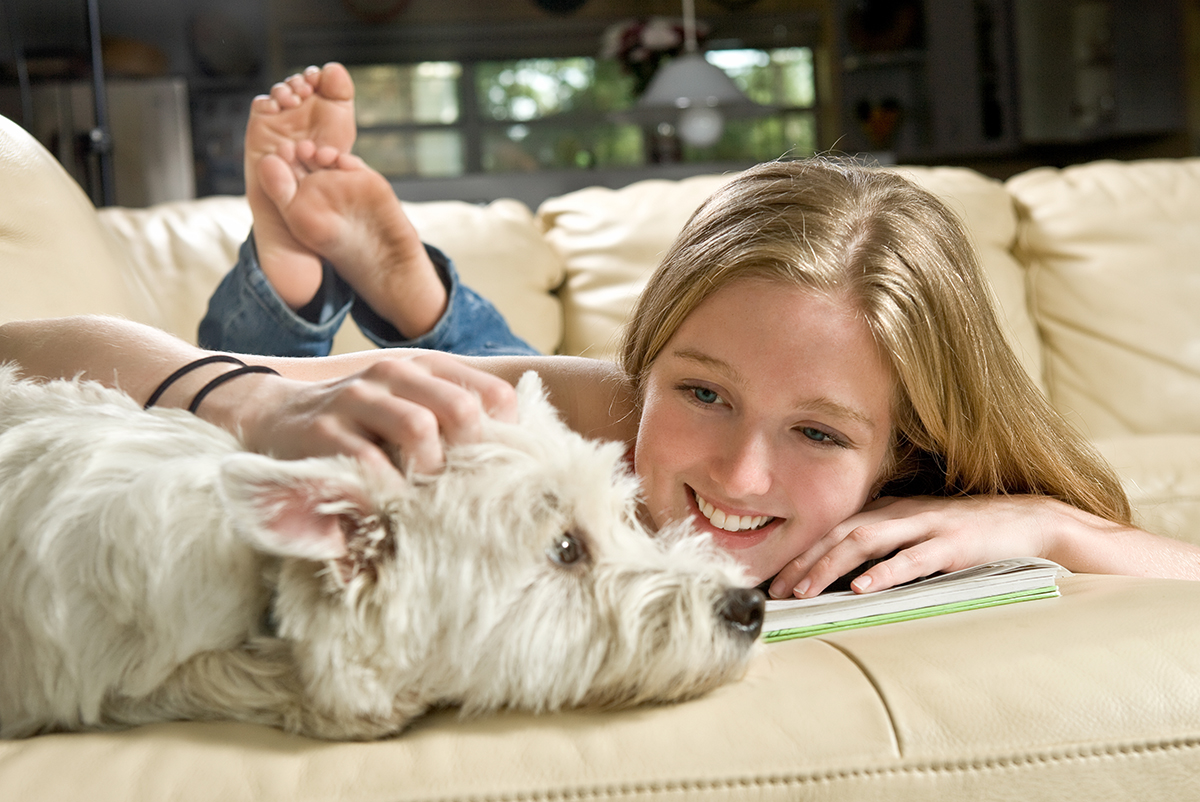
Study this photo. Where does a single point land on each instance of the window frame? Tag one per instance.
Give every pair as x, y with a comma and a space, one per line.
470, 44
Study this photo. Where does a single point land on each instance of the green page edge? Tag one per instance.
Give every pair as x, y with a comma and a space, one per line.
1048, 592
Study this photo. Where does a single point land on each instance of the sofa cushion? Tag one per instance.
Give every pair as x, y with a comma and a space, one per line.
499, 252
1161, 475
56, 258
178, 253
1112, 252
609, 241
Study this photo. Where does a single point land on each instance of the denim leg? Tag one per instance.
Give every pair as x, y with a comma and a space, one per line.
470, 326
245, 314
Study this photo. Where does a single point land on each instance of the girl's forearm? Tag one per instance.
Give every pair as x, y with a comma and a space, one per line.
591, 394
1088, 544
115, 352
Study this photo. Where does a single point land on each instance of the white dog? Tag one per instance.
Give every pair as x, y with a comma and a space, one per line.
151, 569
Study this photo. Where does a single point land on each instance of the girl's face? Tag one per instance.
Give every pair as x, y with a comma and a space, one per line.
766, 419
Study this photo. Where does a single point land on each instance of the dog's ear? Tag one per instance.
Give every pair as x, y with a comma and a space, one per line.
533, 405
294, 508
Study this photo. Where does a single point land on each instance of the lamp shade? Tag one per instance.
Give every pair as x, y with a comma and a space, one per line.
689, 80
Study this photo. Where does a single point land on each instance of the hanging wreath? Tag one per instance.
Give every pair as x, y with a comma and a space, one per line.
642, 46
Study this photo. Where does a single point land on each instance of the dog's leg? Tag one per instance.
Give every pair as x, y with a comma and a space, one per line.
257, 683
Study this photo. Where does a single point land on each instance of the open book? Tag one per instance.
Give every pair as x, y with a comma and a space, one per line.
990, 585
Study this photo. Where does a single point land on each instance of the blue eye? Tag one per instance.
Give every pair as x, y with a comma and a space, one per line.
816, 435
705, 396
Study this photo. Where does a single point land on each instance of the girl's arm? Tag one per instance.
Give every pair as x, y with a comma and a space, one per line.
931, 535
363, 404
371, 407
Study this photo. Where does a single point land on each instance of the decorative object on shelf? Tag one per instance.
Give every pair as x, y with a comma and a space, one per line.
881, 26
559, 6
642, 46
376, 11
879, 120
691, 94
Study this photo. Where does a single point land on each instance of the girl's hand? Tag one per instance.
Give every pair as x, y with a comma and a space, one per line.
929, 535
397, 412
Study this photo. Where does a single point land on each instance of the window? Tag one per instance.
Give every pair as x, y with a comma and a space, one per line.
442, 119
408, 118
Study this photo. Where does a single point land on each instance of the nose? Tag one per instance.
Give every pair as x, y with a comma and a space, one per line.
742, 610
744, 470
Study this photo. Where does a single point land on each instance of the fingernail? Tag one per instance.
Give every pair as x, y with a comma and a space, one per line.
802, 588
862, 583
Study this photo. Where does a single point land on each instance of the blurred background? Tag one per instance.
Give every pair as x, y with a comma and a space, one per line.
146, 101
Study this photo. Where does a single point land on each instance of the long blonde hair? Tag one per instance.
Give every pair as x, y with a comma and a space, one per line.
968, 419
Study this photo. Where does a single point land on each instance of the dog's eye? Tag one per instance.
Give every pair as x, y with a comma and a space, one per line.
566, 549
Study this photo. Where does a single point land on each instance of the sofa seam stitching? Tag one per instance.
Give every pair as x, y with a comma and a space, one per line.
1000, 763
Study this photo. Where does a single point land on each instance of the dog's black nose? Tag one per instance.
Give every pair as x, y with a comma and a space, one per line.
743, 610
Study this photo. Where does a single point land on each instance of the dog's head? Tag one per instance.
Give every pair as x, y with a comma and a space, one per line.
519, 577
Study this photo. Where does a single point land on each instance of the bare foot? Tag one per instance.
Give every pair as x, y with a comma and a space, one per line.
340, 208
318, 107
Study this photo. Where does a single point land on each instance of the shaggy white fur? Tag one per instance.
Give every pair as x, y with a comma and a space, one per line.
151, 569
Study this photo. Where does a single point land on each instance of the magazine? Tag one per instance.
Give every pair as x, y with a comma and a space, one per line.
989, 585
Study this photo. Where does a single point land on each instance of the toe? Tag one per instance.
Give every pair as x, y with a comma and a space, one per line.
264, 104
300, 85
277, 180
336, 83
325, 156
284, 95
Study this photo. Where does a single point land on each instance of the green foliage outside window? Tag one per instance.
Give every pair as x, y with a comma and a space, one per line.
562, 113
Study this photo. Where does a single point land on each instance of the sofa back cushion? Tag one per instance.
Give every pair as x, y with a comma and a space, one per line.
499, 252
611, 240
180, 251
1112, 251
55, 258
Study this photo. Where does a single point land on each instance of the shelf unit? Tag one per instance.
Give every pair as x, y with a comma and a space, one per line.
980, 78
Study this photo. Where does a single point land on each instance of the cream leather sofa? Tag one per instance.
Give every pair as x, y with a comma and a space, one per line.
1095, 695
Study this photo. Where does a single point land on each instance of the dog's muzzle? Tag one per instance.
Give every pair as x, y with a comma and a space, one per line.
743, 609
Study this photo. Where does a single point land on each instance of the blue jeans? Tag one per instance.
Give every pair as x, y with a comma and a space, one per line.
245, 315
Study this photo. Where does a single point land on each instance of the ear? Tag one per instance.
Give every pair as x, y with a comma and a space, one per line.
533, 405
294, 508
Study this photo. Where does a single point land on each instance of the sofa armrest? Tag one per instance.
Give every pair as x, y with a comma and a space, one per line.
57, 258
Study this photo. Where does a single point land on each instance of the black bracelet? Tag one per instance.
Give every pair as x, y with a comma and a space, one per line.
224, 377
186, 369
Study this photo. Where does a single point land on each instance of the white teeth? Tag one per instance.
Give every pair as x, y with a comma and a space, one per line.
731, 523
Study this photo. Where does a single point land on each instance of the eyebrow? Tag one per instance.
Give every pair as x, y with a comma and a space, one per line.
821, 403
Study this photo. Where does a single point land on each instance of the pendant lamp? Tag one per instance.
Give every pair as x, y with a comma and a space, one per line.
692, 94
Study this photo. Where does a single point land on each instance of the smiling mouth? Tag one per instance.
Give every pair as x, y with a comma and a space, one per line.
730, 523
